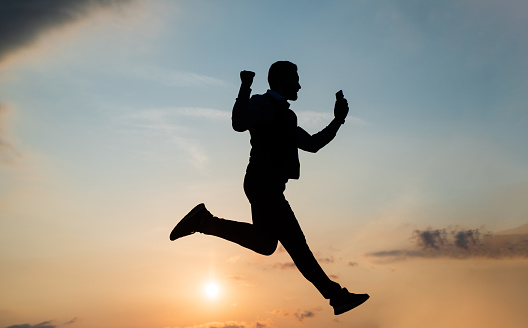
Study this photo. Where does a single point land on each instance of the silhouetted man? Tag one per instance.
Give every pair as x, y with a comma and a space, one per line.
275, 140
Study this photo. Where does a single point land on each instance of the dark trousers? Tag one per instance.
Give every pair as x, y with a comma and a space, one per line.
273, 221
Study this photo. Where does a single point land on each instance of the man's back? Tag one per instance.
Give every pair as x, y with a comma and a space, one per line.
274, 140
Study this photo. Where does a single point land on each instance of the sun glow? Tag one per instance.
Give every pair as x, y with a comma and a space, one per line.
212, 290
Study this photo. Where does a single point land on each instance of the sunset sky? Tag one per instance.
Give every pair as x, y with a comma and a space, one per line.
115, 122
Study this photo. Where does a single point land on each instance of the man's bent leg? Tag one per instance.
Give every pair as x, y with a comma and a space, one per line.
242, 233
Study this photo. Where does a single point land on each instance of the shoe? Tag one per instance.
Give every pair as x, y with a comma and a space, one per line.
345, 301
191, 223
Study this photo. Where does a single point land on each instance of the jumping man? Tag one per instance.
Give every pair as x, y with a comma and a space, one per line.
274, 159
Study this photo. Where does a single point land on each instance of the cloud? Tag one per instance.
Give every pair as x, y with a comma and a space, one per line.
163, 117
23, 22
241, 280
297, 314
233, 259
235, 324
172, 78
460, 244
327, 259
45, 324
430, 238
166, 124
311, 119
197, 155
290, 265
71, 321
208, 113
284, 265
8, 153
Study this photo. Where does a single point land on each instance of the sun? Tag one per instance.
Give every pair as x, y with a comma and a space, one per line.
212, 290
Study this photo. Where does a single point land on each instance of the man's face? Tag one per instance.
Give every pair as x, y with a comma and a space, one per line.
290, 86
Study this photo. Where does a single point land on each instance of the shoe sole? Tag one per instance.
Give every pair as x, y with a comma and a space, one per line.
347, 307
175, 232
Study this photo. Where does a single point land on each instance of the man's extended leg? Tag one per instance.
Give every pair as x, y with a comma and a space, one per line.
292, 238
272, 213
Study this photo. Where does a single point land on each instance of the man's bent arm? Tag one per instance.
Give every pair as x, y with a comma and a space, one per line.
312, 143
242, 117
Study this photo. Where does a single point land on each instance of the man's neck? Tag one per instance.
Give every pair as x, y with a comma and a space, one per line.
275, 94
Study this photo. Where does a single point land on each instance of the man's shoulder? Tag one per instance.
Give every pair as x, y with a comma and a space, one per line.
259, 99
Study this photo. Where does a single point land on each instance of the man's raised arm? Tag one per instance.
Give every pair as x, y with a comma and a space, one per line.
242, 117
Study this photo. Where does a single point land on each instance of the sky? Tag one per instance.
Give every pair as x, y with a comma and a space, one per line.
115, 122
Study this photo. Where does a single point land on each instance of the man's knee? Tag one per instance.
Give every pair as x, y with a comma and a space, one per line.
268, 248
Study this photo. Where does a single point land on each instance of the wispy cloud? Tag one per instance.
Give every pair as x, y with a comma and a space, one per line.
45, 324
235, 324
312, 119
297, 314
8, 153
286, 265
197, 154
208, 113
170, 77
23, 22
241, 280
460, 244
168, 114
167, 124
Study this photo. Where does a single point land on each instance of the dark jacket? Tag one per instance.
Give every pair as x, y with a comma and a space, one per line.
275, 135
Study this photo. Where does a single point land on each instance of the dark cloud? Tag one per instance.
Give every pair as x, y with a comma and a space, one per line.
461, 244
71, 321
45, 324
298, 314
22, 22
430, 238
467, 238
305, 314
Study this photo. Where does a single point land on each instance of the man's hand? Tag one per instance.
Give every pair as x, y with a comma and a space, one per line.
247, 78
341, 107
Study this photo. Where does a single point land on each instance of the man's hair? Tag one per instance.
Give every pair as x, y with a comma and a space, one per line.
279, 70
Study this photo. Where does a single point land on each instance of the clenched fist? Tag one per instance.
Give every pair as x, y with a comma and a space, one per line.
247, 78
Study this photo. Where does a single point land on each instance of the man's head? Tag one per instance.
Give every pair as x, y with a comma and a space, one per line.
283, 78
